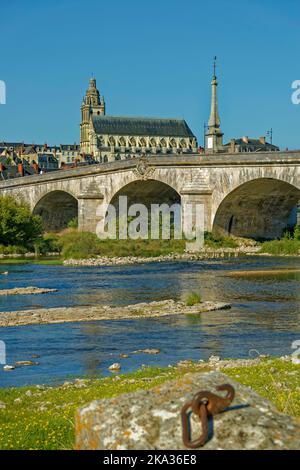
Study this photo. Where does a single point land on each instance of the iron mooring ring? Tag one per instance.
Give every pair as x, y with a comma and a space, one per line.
204, 404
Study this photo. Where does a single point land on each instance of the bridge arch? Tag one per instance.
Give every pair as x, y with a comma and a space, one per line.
56, 208
260, 209
147, 192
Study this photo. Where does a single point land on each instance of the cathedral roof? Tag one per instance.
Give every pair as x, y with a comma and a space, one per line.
138, 126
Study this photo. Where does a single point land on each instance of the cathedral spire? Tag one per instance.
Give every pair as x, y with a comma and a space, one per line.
214, 135
93, 105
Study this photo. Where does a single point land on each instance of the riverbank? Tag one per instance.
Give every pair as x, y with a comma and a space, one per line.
207, 253
106, 312
41, 417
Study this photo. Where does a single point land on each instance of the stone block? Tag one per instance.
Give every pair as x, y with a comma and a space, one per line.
150, 420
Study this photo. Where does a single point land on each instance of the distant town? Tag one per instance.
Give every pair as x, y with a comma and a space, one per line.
105, 138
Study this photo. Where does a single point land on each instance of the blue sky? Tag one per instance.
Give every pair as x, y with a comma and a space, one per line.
150, 58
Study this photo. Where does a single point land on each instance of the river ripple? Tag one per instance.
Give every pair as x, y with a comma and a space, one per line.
265, 315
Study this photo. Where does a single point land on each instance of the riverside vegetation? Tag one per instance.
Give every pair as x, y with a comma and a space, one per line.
21, 232
288, 245
41, 417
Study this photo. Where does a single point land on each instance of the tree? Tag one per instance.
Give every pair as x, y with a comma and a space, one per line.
17, 225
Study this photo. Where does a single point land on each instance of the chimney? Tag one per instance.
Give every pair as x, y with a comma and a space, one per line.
232, 146
35, 167
20, 169
262, 140
245, 139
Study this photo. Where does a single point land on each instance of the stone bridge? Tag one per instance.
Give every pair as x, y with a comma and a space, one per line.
249, 195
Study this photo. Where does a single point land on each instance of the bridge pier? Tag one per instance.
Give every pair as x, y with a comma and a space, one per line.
193, 197
88, 203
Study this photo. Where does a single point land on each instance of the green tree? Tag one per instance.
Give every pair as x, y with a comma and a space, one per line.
17, 225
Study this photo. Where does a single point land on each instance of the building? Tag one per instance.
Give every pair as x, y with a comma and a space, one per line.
19, 159
63, 154
244, 144
47, 162
68, 154
110, 138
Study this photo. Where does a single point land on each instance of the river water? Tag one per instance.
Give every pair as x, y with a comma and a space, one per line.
265, 315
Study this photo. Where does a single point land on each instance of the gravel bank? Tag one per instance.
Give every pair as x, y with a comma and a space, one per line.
205, 254
105, 312
26, 291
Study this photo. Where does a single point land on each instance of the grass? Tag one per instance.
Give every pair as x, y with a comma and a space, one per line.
285, 246
289, 244
193, 298
278, 381
80, 245
41, 261
72, 244
26, 425
213, 240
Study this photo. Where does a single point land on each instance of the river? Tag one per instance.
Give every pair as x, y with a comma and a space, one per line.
264, 317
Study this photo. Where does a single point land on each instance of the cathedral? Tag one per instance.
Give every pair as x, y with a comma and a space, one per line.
110, 138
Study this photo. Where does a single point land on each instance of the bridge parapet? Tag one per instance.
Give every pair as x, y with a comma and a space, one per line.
201, 161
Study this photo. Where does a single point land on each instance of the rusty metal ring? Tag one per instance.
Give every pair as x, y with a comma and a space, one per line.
186, 428
204, 404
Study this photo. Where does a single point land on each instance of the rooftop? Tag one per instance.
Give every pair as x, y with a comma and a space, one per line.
256, 143
138, 126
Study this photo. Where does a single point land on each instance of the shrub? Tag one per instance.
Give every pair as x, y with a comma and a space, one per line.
12, 250
17, 225
73, 223
297, 233
192, 298
78, 245
49, 243
285, 246
214, 240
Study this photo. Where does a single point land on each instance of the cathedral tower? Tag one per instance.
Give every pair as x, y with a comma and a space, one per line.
92, 104
214, 135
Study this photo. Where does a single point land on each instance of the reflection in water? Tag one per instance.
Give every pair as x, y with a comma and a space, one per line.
265, 315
